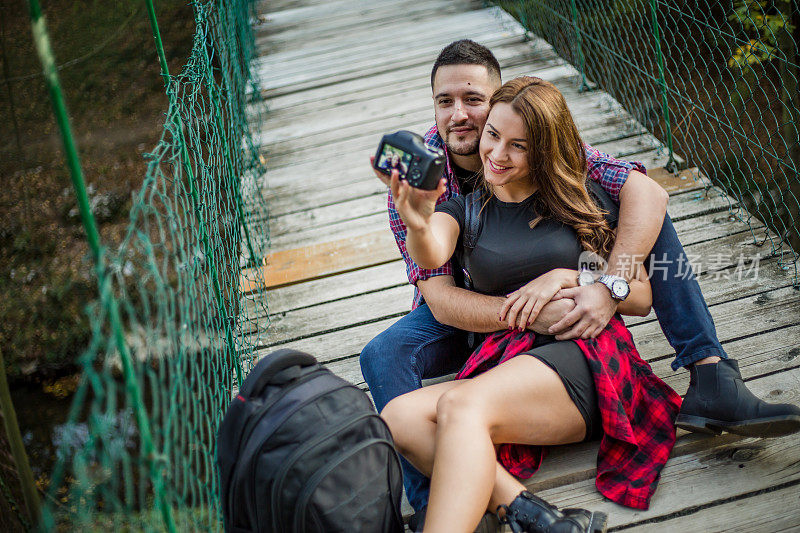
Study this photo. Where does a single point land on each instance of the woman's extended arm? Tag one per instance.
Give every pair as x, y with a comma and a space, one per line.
431, 237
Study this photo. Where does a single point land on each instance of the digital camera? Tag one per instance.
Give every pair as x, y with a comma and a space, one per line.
406, 152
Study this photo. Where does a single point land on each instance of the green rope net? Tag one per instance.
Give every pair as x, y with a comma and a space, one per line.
715, 81
172, 324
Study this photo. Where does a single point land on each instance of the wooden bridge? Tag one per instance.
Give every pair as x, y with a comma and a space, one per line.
337, 75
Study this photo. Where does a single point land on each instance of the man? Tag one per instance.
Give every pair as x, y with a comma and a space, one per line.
431, 340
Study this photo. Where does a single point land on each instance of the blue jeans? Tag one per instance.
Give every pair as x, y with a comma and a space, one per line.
414, 348
678, 302
417, 346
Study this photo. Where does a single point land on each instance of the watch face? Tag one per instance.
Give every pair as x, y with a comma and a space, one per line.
585, 278
620, 288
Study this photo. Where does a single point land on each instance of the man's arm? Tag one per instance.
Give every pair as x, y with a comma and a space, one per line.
643, 205
472, 311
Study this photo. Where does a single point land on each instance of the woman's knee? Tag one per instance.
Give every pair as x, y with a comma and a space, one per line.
461, 404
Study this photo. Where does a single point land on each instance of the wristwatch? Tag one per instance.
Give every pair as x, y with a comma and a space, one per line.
618, 286
585, 277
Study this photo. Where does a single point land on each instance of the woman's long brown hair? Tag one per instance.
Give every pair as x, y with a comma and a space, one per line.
557, 161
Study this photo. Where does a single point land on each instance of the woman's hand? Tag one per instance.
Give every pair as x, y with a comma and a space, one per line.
524, 304
415, 206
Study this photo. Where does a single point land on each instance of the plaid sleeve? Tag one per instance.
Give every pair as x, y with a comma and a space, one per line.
414, 271
610, 172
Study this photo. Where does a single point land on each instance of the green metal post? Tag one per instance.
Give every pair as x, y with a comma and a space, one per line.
671, 164
193, 191
42, 41
579, 40
18, 448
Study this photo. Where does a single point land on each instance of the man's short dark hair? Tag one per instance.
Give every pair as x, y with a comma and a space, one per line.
466, 52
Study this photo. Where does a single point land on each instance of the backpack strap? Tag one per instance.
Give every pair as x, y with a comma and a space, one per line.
469, 238
472, 230
270, 366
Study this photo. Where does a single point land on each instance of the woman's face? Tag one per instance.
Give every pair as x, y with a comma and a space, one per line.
504, 148
395, 160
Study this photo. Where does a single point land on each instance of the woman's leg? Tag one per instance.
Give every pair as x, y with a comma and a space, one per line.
412, 420
521, 401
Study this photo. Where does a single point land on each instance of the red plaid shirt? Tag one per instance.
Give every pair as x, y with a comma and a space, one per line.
609, 172
637, 408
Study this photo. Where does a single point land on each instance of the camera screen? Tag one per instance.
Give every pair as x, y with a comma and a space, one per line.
393, 158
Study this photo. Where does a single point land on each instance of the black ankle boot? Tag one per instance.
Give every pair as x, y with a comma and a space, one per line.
718, 400
529, 514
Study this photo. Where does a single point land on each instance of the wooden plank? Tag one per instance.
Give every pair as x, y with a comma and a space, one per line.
774, 511
372, 44
287, 183
321, 125
377, 54
515, 59
331, 288
343, 27
312, 262
332, 316
296, 197
322, 138
684, 180
323, 169
335, 151
337, 15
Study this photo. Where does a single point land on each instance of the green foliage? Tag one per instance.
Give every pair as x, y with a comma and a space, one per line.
764, 21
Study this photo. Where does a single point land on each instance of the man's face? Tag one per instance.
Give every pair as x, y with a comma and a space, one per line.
461, 101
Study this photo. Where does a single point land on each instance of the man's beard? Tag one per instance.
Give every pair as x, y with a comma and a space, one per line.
462, 147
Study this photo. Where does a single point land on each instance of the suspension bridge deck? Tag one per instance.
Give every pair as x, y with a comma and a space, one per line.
339, 74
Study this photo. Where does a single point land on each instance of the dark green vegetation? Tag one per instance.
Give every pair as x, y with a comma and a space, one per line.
116, 100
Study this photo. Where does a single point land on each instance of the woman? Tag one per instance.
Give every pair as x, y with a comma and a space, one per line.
471, 435
396, 163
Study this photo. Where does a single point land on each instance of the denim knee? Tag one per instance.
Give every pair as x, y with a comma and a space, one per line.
381, 361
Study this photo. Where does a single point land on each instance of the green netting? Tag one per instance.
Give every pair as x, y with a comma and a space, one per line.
171, 325
715, 81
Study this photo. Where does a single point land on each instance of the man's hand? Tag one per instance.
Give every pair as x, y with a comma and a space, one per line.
594, 308
524, 304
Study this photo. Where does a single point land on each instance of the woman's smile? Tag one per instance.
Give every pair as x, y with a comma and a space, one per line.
496, 168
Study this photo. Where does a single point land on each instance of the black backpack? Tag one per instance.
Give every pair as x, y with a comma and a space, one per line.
301, 450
